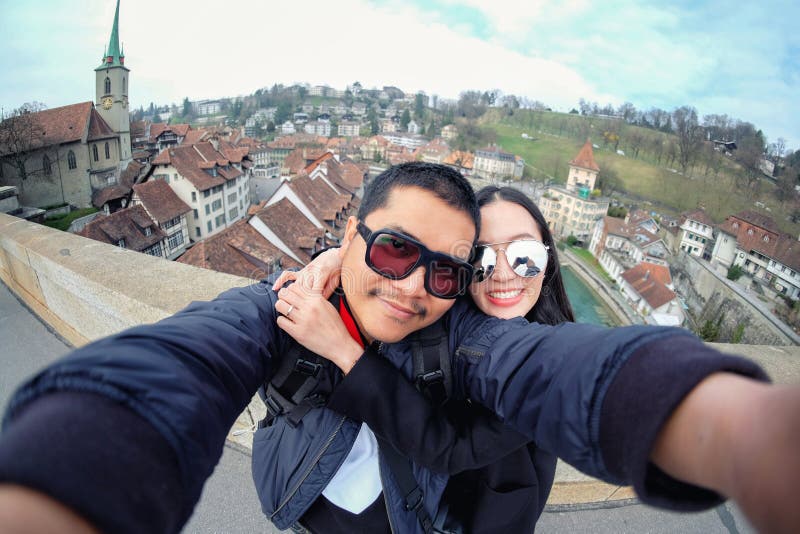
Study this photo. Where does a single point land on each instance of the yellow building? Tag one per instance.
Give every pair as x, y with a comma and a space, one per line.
573, 210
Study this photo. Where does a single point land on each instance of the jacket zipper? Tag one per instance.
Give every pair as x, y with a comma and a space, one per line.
310, 467
379, 350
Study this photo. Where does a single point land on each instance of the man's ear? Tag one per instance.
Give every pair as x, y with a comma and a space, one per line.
349, 234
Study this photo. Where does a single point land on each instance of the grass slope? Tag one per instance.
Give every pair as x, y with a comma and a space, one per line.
642, 180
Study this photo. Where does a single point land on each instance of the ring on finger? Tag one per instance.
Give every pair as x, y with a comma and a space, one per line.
289, 311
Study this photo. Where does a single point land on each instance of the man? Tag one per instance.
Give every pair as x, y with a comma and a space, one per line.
648, 406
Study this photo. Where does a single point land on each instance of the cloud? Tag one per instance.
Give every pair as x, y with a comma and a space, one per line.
650, 53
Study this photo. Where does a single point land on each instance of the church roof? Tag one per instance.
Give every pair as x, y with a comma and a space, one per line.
98, 127
585, 158
62, 125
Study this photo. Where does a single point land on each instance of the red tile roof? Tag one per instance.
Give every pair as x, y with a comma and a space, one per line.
289, 224
644, 279
324, 203
66, 124
128, 224
697, 215
194, 136
158, 128
190, 160
239, 250
98, 127
585, 158
160, 200
458, 158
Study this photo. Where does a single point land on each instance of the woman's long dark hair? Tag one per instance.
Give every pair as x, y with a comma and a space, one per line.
553, 306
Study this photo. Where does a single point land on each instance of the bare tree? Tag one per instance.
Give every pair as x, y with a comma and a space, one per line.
21, 136
689, 134
749, 154
776, 150
635, 140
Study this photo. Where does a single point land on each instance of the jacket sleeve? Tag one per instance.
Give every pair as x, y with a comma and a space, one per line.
377, 393
187, 377
596, 397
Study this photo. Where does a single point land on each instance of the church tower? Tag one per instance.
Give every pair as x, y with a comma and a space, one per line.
111, 91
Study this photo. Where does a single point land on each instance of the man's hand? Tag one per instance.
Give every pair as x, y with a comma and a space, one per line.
740, 438
309, 318
23, 510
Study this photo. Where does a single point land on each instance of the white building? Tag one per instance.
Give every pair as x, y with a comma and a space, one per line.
697, 233
208, 182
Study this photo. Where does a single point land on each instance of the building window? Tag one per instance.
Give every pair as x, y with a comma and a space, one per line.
121, 243
108, 151
197, 232
206, 193
217, 204
232, 198
208, 209
71, 161
46, 167
107, 86
220, 220
749, 231
194, 197
172, 222
233, 213
766, 238
94, 153
208, 225
148, 232
175, 240
195, 213
155, 250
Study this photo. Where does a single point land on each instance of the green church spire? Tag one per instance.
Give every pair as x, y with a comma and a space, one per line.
113, 57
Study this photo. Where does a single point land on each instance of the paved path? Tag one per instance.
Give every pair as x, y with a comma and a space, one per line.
229, 504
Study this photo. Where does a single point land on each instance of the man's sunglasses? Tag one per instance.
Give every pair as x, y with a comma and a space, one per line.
526, 257
395, 256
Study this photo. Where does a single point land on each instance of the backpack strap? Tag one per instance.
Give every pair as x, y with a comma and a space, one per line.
413, 496
433, 377
432, 372
289, 391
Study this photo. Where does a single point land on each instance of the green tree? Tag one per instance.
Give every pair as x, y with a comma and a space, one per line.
372, 118
187, 107
405, 119
735, 272
419, 107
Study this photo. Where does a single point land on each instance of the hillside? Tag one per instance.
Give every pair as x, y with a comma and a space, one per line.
647, 172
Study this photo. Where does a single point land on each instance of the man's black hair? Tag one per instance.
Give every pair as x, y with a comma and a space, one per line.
553, 306
444, 182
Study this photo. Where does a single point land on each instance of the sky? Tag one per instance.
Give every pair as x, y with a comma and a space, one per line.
720, 57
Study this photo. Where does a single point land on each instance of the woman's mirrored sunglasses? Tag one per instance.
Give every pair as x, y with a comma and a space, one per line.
395, 256
526, 257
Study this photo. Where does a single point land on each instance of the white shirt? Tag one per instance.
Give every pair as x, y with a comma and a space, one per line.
357, 483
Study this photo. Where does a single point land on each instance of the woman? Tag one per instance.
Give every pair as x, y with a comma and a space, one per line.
503, 487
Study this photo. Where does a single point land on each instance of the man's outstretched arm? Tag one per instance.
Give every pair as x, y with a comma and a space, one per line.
740, 438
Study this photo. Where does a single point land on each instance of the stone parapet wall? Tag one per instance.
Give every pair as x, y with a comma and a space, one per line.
709, 296
85, 289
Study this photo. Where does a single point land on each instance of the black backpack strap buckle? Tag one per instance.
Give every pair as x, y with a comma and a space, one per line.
307, 367
413, 500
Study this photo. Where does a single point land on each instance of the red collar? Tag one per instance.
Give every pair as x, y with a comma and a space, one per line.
349, 322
